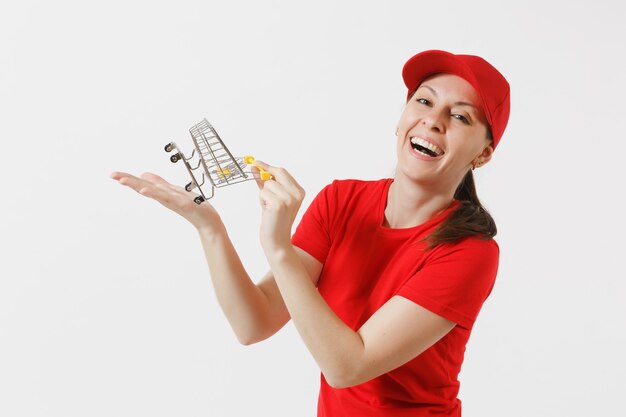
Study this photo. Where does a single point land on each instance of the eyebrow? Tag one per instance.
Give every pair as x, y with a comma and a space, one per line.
458, 103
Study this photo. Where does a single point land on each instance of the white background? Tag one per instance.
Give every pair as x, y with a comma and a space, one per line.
106, 306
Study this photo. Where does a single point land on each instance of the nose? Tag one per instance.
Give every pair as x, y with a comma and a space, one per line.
434, 120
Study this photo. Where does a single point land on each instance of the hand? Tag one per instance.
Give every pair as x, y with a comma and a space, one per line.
203, 216
280, 200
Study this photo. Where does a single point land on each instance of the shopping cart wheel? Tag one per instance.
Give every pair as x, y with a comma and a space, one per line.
190, 186
175, 158
169, 147
198, 200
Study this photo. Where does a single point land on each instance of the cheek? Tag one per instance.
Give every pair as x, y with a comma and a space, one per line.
474, 139
408, 116
398, 144
471, 150
401, 122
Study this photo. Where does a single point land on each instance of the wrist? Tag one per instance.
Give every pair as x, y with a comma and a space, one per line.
278, 252
212, 232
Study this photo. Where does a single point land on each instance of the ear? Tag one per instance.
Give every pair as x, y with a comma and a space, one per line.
484, 157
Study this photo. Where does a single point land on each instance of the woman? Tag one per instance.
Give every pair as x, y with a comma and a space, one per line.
383, 279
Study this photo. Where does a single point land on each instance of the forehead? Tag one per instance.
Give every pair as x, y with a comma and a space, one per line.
453, 87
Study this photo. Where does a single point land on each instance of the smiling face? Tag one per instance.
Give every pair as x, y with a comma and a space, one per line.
442, 132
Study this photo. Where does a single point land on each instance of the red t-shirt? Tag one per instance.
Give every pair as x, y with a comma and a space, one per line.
365, 264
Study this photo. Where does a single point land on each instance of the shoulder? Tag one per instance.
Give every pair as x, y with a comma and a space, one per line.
469, 250
475, 243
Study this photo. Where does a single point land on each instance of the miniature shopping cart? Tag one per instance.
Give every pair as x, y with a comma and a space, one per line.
211, 160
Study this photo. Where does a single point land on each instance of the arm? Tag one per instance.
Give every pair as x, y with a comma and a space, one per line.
399, 331
255, 312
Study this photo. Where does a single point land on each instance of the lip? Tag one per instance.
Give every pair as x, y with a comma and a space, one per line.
418, 155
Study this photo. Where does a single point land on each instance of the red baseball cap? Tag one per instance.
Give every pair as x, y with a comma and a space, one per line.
490, 84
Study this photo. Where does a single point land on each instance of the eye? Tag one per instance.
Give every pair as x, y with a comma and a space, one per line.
461, 118
423, 101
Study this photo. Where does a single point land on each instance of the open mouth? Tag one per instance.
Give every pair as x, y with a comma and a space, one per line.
426, 148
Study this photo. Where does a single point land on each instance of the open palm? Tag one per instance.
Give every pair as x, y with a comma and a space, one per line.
175, 198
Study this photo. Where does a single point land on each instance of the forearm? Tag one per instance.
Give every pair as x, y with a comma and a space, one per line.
246, 307
335, 347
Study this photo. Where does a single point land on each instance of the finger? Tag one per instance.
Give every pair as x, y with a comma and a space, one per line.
116, 175
156, 188
162, 196
162, 183
257, 176
172, 197
153, 178
278, 190
282, 176
269, 200
132, 181
267, 167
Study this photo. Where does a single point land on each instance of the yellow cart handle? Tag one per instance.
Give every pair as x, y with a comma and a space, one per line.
249, 160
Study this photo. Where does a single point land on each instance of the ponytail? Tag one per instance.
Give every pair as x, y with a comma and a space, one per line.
470, 218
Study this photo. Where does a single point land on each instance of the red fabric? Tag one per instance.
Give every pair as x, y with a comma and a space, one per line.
365, 264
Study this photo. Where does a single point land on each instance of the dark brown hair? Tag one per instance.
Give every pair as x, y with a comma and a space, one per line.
470, 218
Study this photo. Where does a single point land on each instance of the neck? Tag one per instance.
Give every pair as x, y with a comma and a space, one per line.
409, 204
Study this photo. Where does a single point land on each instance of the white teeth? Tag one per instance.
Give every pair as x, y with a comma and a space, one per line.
418, 141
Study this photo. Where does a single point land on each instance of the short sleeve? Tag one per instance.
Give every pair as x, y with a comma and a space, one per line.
313, 234
456, 280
